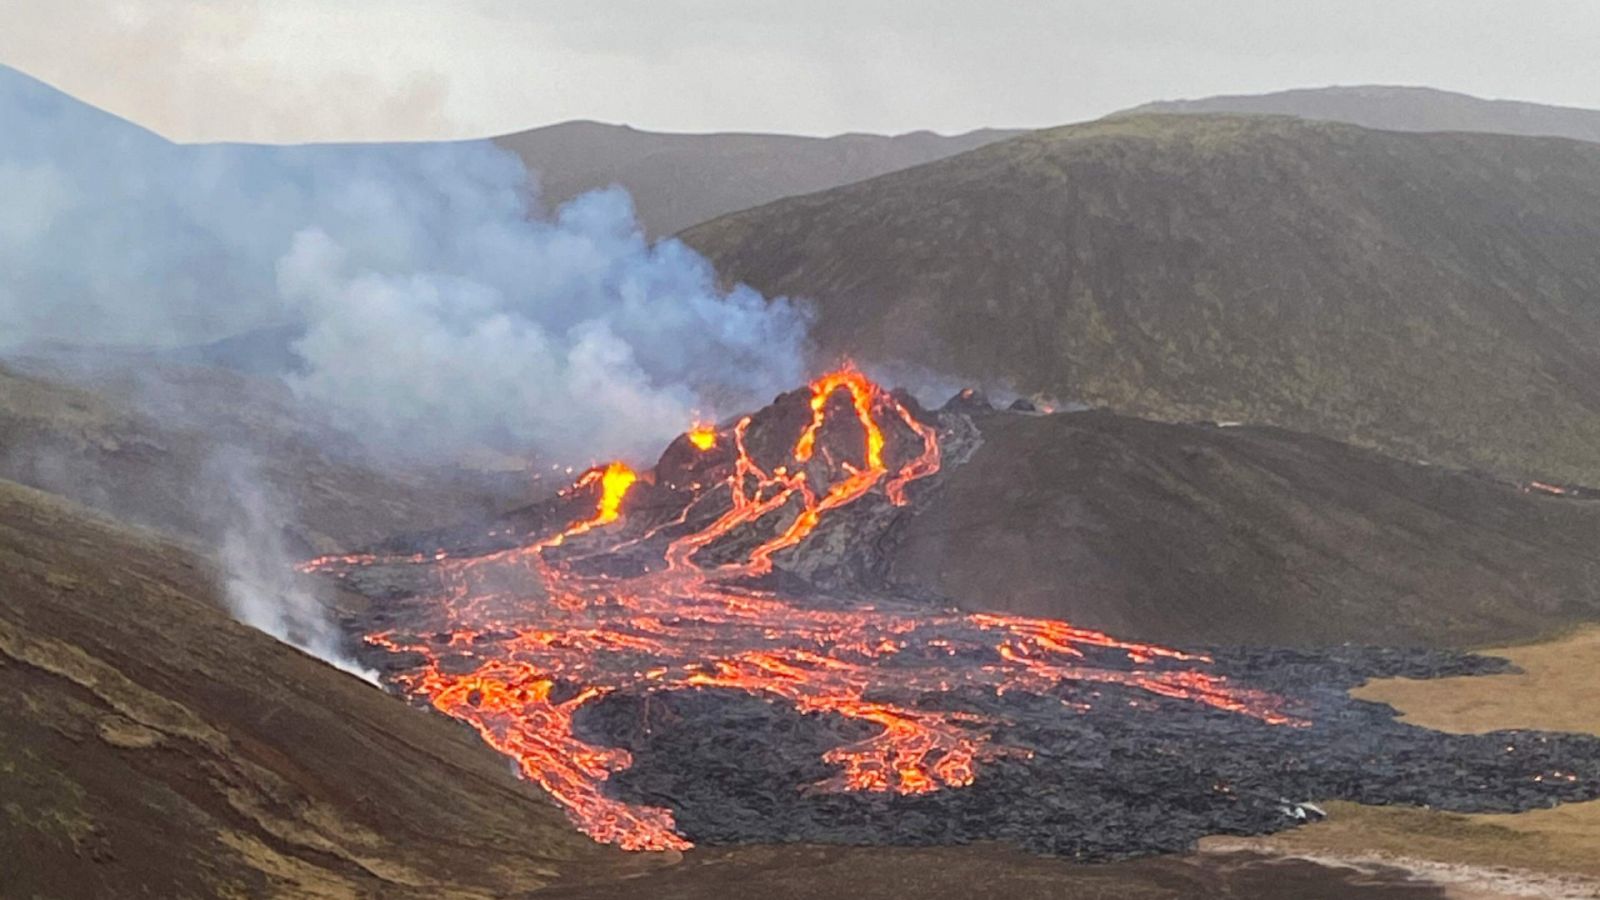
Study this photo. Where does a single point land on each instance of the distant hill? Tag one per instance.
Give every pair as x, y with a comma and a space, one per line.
267, 352
678, 180
154, 747
1190, 534
144, 451
1435, 295
1401, 109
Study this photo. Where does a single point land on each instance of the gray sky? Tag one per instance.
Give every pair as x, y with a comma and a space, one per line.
293, 70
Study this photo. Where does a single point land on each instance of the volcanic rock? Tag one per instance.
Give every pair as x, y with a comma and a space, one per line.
733, 693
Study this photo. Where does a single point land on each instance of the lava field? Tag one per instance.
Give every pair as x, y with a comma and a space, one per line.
708, 652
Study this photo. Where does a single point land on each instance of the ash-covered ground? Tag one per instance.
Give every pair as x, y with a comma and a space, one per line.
683, 672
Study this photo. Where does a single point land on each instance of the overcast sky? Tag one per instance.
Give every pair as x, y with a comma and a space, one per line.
294, 70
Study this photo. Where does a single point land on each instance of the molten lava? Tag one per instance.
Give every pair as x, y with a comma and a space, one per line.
518, 641
703, 437
614, 480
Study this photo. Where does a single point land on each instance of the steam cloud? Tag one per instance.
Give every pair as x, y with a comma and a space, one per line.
260, 585
439, 309
434, 306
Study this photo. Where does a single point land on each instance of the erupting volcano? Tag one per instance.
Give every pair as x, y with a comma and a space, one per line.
528, 637
700, 575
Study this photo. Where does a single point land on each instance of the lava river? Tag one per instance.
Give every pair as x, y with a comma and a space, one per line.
667, 582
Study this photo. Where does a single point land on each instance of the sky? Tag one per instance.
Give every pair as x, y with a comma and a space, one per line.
359, 70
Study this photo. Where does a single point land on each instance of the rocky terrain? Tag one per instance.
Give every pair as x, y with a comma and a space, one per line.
766, 682
1546, 852
155, 746
1129, 776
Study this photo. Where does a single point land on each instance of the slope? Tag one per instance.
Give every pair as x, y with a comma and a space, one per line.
1434, 295
153, 747
1196, 534
175, 448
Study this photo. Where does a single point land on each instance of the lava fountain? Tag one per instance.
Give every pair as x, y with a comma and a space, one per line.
671, 581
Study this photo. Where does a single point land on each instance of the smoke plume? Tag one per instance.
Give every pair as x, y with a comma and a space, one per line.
437, 306
261, 585
427, 302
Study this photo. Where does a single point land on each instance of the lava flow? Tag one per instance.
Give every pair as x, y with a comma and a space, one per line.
672, 587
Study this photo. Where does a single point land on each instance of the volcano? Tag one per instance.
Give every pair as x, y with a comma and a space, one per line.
709, 652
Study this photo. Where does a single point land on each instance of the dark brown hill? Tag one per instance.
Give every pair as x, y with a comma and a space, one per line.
679, 180
1192, 534
1401, 108
1436, 295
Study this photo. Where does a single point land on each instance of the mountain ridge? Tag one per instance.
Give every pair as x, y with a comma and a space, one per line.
1432, 295
1398, 108
681, 179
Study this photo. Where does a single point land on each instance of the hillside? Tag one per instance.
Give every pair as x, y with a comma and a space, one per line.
1396, 108
1434, 295
174, 452
154, 747
1196, 534
679, 180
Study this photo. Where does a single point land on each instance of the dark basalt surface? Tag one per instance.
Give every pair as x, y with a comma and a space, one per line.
1134, 774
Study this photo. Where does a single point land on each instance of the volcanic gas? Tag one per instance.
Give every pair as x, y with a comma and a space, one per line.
701, 577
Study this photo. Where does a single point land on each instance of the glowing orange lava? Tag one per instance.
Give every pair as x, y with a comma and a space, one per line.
518, 641
703, 437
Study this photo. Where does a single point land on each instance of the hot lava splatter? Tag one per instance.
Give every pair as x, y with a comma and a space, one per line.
671, 590
703, 437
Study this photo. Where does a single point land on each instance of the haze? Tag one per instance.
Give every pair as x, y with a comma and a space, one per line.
319, 70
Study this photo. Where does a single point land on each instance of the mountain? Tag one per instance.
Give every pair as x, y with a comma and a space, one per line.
154, 747
1394, 108
679, 180
1189, 534
1435, 295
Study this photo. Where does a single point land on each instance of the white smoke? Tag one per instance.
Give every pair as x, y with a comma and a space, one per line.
440, 308
437, 307
576, 336
260, 583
